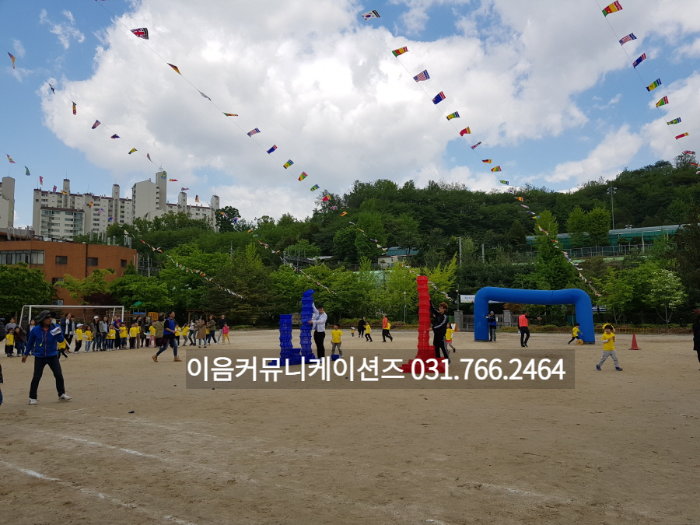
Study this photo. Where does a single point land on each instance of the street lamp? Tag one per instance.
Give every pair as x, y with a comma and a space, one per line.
611, 191
404, 308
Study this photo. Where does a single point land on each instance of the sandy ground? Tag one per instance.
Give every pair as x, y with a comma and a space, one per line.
622, 447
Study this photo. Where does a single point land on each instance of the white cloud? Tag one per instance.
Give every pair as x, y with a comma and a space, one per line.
18, 48
326, 91
64, 31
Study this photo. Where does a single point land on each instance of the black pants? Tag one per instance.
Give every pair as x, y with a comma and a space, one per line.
524, 335
698, 355
385, 334
492, 333
320, 349
360, 332
368, 337
439, 344
55, 366
69, 340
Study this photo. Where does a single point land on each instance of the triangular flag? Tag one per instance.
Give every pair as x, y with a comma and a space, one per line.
176, 69
132, 150
97, 123
10, 159
26, 171
12, 57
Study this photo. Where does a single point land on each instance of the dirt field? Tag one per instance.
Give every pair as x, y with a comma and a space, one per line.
622, 447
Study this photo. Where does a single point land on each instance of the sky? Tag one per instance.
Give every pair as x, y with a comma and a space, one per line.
544, 86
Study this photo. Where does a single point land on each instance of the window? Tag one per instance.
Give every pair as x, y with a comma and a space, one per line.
61, 259
92, 261
123, 263
24, 256
57, 280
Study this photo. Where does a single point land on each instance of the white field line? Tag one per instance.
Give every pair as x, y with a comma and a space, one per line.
94, 493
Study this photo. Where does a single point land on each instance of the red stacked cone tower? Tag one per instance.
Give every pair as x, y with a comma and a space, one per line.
426, 351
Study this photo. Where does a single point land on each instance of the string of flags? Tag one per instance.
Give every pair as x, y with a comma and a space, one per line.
616, 7
189, 270
430, 283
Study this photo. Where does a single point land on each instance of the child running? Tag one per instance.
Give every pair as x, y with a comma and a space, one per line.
224, 334
336, 334
62, 349
448, 338
368, 332
78, 337
609, 348
575, 333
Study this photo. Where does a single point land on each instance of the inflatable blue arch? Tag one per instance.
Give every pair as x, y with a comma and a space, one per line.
579, 298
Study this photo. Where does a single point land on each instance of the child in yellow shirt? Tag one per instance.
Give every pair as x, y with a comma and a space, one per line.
62, 349
575, 333
448, 338
111, 336
336, 334
609, 347
133, 334
152, 332
368, 333
123, 335
87, 337
9, 344
184, 331
78, 337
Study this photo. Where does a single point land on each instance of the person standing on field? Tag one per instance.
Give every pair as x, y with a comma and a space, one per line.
168, 338
319, 324
385, 329
43, 342
361, 327
440, 330
524, 327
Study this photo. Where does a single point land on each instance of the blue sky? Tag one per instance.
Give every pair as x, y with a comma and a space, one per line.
545, 87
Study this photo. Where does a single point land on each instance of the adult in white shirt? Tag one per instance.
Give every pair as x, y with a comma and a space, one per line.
319, 322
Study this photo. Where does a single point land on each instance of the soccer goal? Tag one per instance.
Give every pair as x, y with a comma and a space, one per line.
82, 313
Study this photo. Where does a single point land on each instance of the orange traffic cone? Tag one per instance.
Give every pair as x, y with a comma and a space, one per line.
634, 343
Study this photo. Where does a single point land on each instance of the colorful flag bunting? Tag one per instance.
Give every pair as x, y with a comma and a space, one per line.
370, 14
132, 150
476, 145
287, 164
612, 8
253, 132
175, 68
343, 214
688, 152
654, 85
326, 198
141, 32
231, 114
422, 76
662, 102
148, 156
627, 38
497, 168
163, 174
519, 199
10, 159
74, 108
314, 187
196, 198
439, 98
12, 57
184, 189
97, 123
273, 148
26, 171
453, 115
115, 136
400, 51
674, 121
504, 182
681, 136
465, 131
487, 161
54, 188
52, 89
172, 180
334, 208
302, 176
41, 180
639, 60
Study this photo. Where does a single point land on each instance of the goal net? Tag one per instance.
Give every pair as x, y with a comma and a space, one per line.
82, 313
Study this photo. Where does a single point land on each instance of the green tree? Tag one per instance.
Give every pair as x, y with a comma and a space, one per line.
22, 285
517, 236
617, 294
687, 256
598, 226
131, 288
224, 221
665, 293
93, 289
552, 270
577, 226
344, 247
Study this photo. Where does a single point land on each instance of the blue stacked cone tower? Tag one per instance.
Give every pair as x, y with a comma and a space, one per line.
307, 314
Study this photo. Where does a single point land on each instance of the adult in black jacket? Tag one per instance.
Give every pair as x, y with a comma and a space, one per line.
439, 329
3, 332
361, 327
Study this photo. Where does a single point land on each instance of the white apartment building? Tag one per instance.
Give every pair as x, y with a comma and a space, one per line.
7, 203
62, 214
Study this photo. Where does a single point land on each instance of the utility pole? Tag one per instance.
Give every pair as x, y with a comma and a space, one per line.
483, 253
611, 191
460, 251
